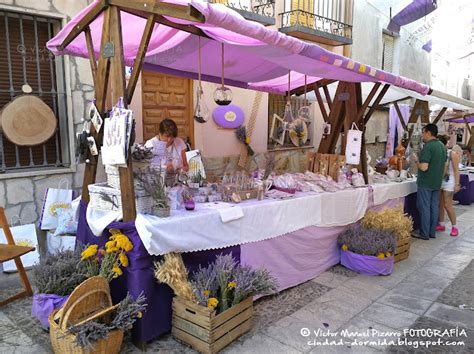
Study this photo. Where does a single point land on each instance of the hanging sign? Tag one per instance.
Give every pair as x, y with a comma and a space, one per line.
228, 117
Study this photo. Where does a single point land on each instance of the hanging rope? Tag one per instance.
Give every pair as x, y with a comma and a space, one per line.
305, 102
289, 87
199, 64
222, 65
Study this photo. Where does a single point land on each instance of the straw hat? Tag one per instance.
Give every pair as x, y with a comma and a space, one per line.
27, 121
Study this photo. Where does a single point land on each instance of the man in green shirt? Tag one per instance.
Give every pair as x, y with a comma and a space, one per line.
431, 169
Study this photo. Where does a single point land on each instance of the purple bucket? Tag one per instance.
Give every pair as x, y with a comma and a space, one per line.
44, 304
369, 265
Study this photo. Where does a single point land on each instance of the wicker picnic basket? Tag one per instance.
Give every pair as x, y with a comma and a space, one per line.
104, 197
113, 175
89, 301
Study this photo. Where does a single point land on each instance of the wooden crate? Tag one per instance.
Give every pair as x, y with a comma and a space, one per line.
403, 250
205, 331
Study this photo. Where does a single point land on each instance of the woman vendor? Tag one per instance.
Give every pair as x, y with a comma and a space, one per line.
168, 149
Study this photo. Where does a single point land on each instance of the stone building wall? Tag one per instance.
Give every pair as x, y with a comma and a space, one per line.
21, 193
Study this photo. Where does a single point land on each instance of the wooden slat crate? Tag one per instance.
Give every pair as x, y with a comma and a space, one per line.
205, 331
325, 164
403, 250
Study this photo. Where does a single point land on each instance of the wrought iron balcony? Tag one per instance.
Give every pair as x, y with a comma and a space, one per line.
310, 26
262, 11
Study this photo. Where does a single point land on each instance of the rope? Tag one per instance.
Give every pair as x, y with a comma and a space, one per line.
250, 127
199, 63
222, 64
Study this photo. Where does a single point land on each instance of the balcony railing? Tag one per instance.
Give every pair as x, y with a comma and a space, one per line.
262, 11
310, 26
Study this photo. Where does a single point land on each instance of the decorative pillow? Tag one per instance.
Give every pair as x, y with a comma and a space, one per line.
66, 222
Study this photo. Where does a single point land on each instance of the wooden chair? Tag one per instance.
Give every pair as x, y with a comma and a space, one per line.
11, 251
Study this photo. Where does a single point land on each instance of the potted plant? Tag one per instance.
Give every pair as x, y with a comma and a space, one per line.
54, 278
367, 251
153, 182
196, 180
215, 306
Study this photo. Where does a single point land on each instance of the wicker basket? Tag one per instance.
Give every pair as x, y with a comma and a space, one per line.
89, 301
113, 177
144, 202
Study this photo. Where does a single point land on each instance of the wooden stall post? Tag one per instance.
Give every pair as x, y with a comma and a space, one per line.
118, 85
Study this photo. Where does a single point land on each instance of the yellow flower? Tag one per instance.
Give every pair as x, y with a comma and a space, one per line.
89, 252
388, 254
110, 244
124, 243
380, 256
232, 285
344, 247
118, 272
102, 252
293, 134
206, 293
123, 259
212, 303
247, 140
112, 249
139, 314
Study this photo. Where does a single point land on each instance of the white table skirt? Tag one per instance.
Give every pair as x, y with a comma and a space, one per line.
202, 229
387, 191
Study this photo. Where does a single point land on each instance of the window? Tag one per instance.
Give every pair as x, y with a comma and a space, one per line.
24, 60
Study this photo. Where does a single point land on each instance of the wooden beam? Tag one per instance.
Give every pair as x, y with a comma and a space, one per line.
321, 104
140, 57
325, 82
336, 119
101, 84
328, 96
400, 116
376, 102
468, 127
440, 114
117, 68
371, 95
184, 12
90, 49
83, 23
320, 83
350, 112
399, 100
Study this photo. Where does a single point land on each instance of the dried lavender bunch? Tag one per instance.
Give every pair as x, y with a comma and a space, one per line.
224, 267
89, 332
251, 282
152, 182
241, 134
205, 284
60, 273
123, 319
128, 311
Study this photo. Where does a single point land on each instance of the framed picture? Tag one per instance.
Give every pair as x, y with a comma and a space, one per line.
278, 129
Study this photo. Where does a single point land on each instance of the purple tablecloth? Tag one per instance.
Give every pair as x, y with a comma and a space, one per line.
466, 195
138, 277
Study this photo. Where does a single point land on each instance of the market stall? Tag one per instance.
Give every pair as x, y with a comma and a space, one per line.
294, 233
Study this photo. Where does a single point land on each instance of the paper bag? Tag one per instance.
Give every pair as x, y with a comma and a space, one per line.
353, 145
54, 199
24, 235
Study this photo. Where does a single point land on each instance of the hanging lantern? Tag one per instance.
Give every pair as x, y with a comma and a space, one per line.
222, 95
304, 112
201, 113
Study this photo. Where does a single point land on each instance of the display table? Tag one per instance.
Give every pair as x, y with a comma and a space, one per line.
466, 195
293, 257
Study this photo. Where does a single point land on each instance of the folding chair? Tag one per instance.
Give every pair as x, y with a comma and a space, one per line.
11, 251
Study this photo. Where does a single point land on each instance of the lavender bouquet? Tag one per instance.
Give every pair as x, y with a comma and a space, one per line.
225, 283
365, 241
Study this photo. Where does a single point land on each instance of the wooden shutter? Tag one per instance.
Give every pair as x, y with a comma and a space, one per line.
300, 17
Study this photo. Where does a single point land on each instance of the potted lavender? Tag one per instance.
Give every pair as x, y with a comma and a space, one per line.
54, 278
152, 181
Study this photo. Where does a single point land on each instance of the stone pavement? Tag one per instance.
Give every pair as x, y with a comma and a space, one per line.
424, 292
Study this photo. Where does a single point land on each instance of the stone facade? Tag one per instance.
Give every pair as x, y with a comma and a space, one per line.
20, 193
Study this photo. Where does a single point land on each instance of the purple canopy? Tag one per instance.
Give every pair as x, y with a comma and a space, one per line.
469, 119
416, 10
256, 57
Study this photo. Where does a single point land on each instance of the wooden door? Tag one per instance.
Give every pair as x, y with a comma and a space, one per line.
166, 96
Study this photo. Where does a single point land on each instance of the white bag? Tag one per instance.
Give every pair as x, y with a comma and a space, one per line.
56, 243
54, 198
24, 235
353, 145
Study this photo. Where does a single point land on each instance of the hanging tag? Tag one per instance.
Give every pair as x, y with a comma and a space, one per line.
92, 146
95, 117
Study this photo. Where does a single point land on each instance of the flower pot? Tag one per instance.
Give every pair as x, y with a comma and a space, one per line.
369, 265
162, 212
44, 304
